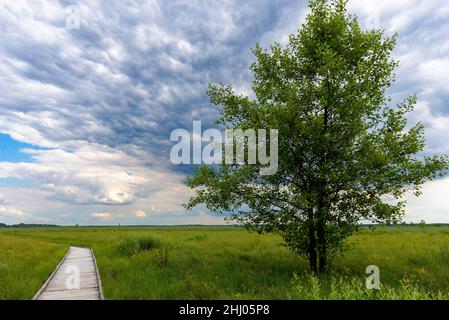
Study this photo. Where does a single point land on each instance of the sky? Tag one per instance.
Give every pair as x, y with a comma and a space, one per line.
86, 109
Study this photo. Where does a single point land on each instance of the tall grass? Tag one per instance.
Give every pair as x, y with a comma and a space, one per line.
343, 288
130, 246
25, 264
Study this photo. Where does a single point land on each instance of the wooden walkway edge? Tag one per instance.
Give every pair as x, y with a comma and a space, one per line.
75, 278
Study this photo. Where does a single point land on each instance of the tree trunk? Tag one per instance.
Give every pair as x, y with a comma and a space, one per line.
322, 246
321, 235
312, 248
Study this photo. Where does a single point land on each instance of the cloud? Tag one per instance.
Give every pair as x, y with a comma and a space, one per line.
92, 174
140, 214
431, 206
4, 200
103, 216
12, 212
7, 210
436, 127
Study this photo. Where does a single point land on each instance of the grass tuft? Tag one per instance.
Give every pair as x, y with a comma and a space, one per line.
132, 246
198, 237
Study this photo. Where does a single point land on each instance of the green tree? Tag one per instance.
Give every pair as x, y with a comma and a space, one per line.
422, 224
346, 153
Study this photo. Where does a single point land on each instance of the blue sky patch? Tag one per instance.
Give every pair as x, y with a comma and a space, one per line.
11, 150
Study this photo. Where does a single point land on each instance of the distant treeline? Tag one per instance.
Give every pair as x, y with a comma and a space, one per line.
411, 224
33, 225
24, 225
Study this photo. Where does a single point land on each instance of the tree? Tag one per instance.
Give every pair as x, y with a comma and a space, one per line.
346, 153
422, 224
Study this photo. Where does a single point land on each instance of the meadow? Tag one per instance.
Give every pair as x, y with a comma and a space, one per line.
228, 263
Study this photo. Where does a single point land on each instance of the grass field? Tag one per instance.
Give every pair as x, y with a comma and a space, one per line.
24, 264
228, 263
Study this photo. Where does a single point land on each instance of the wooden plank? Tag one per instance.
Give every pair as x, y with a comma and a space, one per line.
77, 261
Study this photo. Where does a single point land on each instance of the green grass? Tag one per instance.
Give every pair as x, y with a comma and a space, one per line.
229, 263
25, 265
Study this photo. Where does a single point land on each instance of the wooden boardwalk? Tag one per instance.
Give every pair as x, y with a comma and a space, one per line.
75, 278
